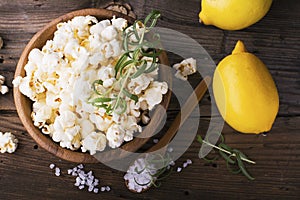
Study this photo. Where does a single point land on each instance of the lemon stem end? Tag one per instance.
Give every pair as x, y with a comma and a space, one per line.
239, 48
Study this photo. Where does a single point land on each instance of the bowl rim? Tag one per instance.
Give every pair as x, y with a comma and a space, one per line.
24, 110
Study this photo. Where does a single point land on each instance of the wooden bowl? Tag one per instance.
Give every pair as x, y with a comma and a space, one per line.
24, 104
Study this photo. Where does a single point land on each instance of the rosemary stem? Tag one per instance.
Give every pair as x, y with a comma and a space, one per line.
123, 85
228, 152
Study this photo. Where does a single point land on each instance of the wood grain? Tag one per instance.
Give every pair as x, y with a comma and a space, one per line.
275, 39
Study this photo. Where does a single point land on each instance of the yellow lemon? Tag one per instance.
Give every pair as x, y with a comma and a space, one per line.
233, 14
245, 92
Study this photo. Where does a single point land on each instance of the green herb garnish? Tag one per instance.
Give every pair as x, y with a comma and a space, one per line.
130, 65
233, 157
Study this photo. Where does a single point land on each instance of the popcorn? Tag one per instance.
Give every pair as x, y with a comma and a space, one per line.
139, 84
119, 23
109, 33
115, 136
8, 142
59, 80
94, 142
102, 122
185, 68
3, 88
153, 94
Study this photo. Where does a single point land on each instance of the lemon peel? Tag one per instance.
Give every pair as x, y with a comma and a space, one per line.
245, 92
233, 14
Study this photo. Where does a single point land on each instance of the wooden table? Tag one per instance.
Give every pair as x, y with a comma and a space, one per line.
275, 39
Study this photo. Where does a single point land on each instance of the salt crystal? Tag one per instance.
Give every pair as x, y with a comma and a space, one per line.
155, 141
170, 149
89, 182
77, 184
52, 166
81, 187
185, 165
172, 163
80, 166
57, 171
74, 173
96, 190
102, 189
179, 169
189, 161
81, 176
82, 182
70, 171
91, 188
107, 188
78, 179
96, 182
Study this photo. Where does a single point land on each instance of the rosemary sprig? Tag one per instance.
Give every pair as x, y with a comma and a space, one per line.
233, 157
130, 65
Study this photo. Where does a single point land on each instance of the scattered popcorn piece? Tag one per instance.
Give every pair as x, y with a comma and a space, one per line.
185, 68
8, 142
3, 88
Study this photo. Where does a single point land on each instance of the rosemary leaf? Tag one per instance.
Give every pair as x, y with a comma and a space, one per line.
140, 70
152, 17
102, 100
227, 158
134, 97
96, 82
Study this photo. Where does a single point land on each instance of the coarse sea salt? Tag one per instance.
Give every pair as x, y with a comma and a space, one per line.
57, 171
179, 169
86, 179
51, 166
142, 180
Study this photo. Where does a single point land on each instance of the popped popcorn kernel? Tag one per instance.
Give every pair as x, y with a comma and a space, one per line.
8, 142
3, 88
185, 68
